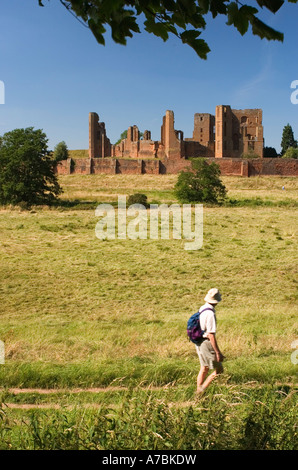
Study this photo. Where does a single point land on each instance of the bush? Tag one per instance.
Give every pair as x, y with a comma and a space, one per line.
138, 198
249, 155
291, 152
201, 184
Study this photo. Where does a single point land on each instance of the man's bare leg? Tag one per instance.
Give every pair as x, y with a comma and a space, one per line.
203, 382
218, 370
201, 377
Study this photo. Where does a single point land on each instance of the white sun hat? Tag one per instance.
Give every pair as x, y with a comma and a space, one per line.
213, 296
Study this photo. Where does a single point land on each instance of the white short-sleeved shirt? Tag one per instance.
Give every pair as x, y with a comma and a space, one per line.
208, 320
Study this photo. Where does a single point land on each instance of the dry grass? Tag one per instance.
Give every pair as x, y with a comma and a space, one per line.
71, 299
78, 153
160, 187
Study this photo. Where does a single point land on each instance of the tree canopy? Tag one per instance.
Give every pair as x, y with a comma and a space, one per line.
201, 183
122, 136
270, 152
61, 152
185, 19
27, 171
288, 139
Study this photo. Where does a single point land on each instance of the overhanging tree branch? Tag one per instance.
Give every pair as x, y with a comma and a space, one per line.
186, 19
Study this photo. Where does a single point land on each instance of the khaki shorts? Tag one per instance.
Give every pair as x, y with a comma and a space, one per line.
207, 354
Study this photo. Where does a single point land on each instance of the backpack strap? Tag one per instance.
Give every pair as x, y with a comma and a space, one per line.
204, 310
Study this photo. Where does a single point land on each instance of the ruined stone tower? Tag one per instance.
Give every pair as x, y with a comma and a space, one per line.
238, 132
99, 144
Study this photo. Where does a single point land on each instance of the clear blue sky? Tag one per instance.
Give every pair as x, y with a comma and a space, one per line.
55, 73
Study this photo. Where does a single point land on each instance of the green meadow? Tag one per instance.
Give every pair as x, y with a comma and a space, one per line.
108, 317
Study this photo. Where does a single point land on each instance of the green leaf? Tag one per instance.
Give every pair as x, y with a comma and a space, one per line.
169, 4
108, 8
189, 35
204, 5
218, 7
272, 5
179, 20
240, 18
248, 11
197, 21
97, 30
188, 5
159, 29
122, 27
232, 11
264, 31
198, 45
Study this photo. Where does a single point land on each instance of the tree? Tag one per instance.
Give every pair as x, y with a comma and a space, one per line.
60, 152
186, 19
291, 152
202, 184
270, 152
27, 171
123, 135
287, 139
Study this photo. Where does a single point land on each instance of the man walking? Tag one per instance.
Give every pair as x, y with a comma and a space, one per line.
207, 348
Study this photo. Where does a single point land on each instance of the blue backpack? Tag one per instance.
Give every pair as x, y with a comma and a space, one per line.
194, 330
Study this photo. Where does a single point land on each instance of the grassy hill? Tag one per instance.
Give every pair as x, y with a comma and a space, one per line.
78, 153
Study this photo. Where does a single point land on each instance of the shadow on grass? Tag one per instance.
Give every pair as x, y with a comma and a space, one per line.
77, 204
60, 204
259, 202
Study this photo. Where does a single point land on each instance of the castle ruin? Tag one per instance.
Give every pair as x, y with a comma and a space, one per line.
230, 133
232, 138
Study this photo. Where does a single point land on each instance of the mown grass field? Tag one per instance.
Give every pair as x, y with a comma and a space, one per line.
79, 312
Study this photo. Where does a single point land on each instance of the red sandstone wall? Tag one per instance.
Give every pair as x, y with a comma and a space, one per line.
273, 166
63, 167
195, 149
81, 166
103, 165
129, 167
146, 149
228, 166
151, 167
175, 166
